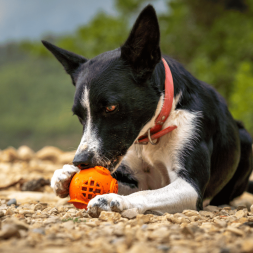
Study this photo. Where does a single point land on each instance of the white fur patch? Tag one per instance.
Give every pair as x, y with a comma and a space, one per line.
89, 139
169, 148
173, 198
61, 179
156, 166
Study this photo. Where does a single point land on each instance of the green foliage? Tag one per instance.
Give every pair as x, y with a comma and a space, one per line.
213, 39
36, 99
242, 96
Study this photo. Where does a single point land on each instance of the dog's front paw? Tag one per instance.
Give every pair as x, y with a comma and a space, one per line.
107, 202
61, 180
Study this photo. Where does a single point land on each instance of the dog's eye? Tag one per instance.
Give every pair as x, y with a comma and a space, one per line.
111, 108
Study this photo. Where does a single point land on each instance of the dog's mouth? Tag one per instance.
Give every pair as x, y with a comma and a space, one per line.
113, 164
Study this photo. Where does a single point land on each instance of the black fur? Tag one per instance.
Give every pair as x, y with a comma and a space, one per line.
219, 162
124, 175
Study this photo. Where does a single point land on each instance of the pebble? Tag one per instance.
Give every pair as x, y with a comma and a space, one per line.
12, 202
49, 224
247, 246
69, 225
191, 213
40, 206
51, 220
1, 213
8, 231
211, 208
109, 216
220, 223
207, 214
241, 208
235, 230
130, 213
239, 214
39, 231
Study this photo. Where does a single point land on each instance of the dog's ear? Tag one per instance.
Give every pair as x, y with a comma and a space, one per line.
70, 61
142, 50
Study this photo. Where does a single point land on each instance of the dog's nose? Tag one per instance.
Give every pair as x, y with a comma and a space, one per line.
83, 160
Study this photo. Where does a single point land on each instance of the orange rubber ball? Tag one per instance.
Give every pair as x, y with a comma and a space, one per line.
88, 183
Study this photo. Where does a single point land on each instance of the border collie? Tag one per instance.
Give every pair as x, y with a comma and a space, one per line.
206, 157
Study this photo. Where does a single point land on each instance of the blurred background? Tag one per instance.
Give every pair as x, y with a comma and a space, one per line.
212, 38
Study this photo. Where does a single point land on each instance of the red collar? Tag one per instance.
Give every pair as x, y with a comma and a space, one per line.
156, 131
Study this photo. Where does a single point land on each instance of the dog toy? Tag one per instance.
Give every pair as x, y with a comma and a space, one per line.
88, 183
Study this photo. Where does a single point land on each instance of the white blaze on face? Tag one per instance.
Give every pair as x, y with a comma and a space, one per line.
89, 140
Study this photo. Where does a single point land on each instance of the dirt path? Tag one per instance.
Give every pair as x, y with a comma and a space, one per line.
41, 222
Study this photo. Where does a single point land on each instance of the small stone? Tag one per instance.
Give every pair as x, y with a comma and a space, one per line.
49, 153
119, 229
62, 203
9, 212
69, 225
130, 213
211, 208
66, 216
190, 213
177, 220
12, 202
40, 206
42, 215
91, 224
72, 210
25, 212
3, 207
224, 212
140, 247
240, 214
9, 155
206, 214
187, 231
1, 213
143, 218
163, 248
53, 211
220, 223
235, 230
250, 224
51, 220
8, 231
241, 208
109, 216
25, 153
247, 246
39, 231
242, 220
194, 218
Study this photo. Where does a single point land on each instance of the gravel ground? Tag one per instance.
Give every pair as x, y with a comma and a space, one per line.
41, 222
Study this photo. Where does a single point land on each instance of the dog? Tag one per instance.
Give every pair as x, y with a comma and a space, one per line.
204, 158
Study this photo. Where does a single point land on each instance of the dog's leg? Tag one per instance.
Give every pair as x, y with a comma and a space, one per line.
185, 190
175, 197
61, 180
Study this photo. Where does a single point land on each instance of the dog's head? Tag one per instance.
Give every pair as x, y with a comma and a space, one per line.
115, 94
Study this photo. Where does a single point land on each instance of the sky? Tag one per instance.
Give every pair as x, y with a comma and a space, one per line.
31, 19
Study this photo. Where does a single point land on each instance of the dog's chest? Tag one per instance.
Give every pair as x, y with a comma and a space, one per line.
161, 162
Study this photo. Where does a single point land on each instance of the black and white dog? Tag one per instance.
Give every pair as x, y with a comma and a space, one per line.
119, 95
